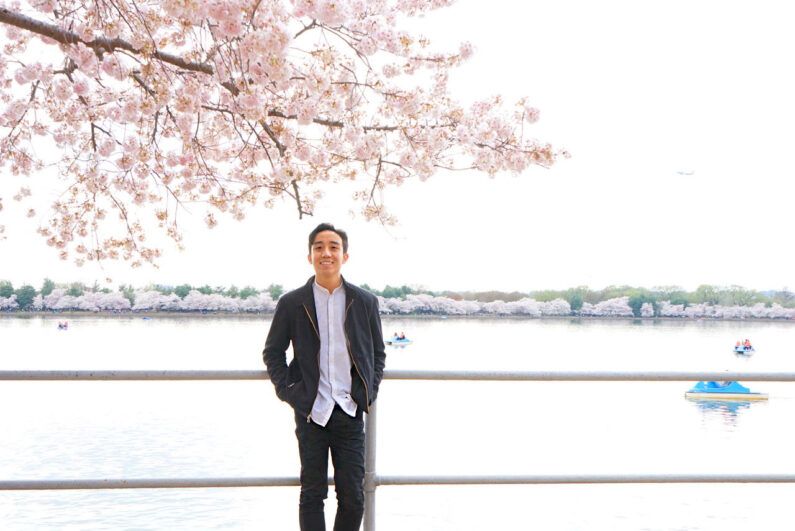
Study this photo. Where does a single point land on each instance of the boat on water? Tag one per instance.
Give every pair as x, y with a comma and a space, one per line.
723, 391
398, 342
744, 348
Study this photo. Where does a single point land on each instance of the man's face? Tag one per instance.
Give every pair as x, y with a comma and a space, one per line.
326, 255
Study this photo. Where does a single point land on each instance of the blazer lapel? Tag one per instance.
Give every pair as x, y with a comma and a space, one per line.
308, 301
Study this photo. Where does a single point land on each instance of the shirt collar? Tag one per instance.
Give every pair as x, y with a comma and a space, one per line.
320, 288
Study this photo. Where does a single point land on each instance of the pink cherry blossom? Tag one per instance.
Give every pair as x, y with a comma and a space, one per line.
234, 103
81, 87
531, 114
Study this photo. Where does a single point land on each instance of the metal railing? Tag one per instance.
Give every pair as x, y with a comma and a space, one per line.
372, 480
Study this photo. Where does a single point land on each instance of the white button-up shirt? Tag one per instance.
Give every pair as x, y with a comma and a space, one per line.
335, 362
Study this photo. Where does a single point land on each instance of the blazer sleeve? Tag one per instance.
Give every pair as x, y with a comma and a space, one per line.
275, 352
379, 352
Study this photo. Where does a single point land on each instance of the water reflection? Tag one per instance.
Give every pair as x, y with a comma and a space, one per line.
727, 411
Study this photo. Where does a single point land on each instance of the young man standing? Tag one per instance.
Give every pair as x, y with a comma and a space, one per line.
333, 378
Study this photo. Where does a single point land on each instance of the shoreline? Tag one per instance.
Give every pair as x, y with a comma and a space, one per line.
254, 315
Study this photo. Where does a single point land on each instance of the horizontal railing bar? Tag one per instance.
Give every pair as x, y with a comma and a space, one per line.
183, 483
584, 376
147, 483
585, 479
135, 375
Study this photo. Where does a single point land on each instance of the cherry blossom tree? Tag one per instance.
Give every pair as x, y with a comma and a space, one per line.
151, 107
261, 302
671, 310
59, 300
699, 311
557, 307
196, 301
617, 307
155, 301
710, 311
99, 301
8, 303
424, 303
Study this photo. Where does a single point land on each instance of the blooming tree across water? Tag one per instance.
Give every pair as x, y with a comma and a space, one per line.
155, 105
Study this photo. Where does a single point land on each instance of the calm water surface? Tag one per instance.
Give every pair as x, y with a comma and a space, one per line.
223, 429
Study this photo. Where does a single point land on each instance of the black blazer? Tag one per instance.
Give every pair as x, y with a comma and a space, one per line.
295, 320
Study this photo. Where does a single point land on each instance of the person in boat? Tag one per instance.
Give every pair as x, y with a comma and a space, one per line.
738, 345
747, 345
402, 336
333, 379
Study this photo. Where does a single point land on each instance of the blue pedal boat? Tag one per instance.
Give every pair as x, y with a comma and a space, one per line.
397, 342
723, 391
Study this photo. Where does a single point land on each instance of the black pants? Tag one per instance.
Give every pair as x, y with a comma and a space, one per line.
344, 436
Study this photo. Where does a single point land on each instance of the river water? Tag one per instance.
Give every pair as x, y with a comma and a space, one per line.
71, 430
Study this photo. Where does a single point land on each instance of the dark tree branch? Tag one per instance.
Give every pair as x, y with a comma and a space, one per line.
306, 28
99, 45
297, 196
273, 137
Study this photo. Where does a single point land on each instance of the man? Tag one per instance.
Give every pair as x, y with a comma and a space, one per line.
333, 378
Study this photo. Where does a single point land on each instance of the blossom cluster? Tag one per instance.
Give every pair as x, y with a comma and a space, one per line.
89, 301
195, 301
8, 303
617, 307
708, 311
151, 105
422, 303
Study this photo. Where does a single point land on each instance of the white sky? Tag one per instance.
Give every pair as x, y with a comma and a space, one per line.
636, 91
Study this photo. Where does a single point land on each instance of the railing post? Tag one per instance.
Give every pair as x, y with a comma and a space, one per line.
370, 483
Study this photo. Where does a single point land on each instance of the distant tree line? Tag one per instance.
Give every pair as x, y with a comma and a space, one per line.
576, 297
705, 301
704, 294
25, 296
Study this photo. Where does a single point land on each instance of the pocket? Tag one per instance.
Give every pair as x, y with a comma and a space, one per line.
288, 392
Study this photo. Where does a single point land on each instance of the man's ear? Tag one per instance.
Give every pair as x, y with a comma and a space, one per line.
309, 258
344, 257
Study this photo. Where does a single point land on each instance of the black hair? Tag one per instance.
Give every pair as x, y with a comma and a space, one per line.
328, 226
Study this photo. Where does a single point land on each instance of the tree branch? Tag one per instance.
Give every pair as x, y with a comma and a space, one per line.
335, 123
274, 138
99, 45
298, 200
